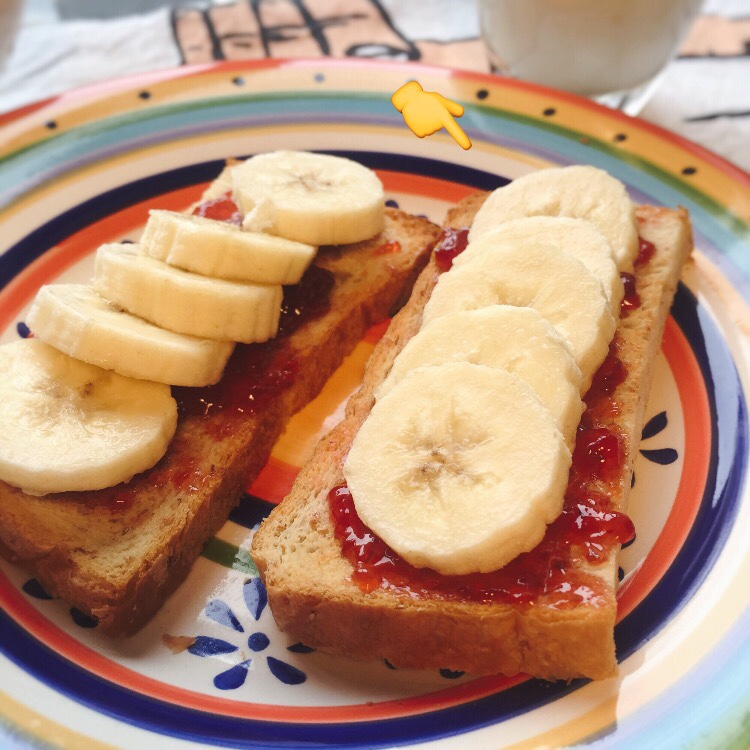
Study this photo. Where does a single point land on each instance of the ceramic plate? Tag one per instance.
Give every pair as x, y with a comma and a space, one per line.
212, 668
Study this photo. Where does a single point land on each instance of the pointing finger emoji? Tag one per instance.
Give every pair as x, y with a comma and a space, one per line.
426, 112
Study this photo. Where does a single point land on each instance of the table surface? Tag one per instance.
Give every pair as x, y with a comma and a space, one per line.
704, 94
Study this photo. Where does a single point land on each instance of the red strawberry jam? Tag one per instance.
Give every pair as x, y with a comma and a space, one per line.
631, 300
598, 454
182, 475
610, 374
222, 208
388, 248
451, 242
646, 251
256, 373
587, 530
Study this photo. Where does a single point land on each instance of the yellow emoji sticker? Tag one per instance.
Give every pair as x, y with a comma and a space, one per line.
426, 112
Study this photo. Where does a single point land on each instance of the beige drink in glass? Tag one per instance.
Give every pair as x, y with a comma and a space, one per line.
591, 47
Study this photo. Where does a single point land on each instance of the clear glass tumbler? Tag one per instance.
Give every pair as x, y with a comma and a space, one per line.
611, 50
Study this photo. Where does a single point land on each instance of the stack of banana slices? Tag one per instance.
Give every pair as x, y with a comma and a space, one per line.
90, 392
464, 458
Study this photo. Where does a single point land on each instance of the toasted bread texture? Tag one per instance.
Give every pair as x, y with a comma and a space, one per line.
309, 584
118, 554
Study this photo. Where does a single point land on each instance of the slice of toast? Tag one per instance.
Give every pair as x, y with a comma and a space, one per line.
309, 583
117, 554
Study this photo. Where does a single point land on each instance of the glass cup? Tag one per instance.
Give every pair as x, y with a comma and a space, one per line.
10, 14
610, 50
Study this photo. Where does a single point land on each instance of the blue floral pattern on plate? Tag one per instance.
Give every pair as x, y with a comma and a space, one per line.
256, 600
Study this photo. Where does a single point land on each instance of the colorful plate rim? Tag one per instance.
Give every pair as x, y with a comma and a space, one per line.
706, 190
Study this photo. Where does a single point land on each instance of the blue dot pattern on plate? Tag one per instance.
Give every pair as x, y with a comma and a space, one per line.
32, 587
451, 674
82, 619
300, 648
258, 641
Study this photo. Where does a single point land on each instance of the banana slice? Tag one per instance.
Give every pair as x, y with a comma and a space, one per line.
221, 250
580, 192
186, 302
516, 339
69, 425
530, 274
76, 320
458, 468
577, 237
312, 198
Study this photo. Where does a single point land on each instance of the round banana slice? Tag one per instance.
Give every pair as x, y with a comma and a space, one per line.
516, 339
459, 468
580, 192
76, 320
71, 426
577, 237
313, 198
221, 250
530, 274
186, 302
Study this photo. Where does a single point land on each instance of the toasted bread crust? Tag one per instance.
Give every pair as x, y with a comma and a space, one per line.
120, 566
308, 581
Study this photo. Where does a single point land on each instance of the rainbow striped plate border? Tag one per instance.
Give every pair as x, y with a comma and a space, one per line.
212, 669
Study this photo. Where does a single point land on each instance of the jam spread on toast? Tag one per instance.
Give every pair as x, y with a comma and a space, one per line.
631, 300
451, 242
388, 248
256, 373
183, 475
585, 533
222, 208
646, 251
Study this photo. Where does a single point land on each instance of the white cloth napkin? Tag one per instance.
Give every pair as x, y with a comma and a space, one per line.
52, 56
